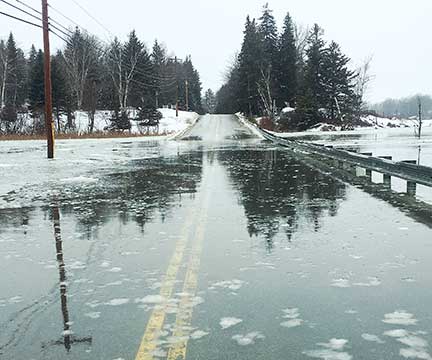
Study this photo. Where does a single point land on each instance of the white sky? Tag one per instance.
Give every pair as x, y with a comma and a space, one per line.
395, 32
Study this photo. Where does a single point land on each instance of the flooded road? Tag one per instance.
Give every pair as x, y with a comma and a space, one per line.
215, 246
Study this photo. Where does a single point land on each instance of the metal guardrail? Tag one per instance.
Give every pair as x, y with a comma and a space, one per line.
410, 172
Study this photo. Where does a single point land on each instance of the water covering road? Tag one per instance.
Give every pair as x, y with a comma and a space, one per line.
215, 246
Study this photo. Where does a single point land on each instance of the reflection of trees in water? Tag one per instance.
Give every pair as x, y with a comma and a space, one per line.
150, 187
14, 218
279, 192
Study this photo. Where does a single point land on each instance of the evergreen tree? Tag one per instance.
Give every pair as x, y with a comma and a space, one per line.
313, 93
159, 60
250, 69
338, 84
287, 66
37, 91
209, 101
270, 52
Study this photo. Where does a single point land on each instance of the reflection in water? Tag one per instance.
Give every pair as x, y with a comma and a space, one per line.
68, 338
147, 188
278, 191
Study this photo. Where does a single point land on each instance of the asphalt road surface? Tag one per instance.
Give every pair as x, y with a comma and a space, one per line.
214, 246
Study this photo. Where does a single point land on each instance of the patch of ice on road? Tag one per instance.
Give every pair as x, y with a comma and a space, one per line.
105, 264
333, 350
248, 339
228, 284
93, 315
356, 257
115, 270
198, 334
82, 281
400, 317
117, 302
408, 280
341, 283
151, 299
292, 323
372, 338
227, 322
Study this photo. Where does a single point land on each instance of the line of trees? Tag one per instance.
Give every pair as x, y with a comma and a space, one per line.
404, 108
89, 75
293, 68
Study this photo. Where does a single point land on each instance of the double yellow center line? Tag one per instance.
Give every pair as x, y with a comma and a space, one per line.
149, 343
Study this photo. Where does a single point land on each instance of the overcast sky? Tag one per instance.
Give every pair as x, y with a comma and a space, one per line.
395, 32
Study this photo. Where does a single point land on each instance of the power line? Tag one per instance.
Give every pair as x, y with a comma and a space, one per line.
66, 17
62, 26
22, 20
29, 7
60, 37
22, 10
93, 18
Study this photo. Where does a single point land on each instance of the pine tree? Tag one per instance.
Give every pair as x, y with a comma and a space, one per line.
287, 65
250, 69
159, 60
209, 101
313, 95
37, 90
270, 52
338, 84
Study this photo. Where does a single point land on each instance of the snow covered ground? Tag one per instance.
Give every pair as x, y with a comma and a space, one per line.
169, 124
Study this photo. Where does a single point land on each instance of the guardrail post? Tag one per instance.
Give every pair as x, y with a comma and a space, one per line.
387, 180
411, 188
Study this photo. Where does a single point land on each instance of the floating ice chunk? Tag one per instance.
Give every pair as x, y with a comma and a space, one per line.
372, 338
291, 313
333, 350
327, 354
335, 344
77, 265
248, 339
151, 299
105, 264
372, 281
400, 317
341, 283
414, 341
292, 323
229, 284
228, 322
412, 353
67, 333
79, 179
398, 333
351, 312
115, 269
117, 302
93, 315
198, 334
15, 300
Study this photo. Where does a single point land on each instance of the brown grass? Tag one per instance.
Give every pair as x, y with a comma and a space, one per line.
96, 135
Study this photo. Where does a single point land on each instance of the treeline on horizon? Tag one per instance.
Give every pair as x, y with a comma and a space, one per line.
404, 108
297, 68
88, 75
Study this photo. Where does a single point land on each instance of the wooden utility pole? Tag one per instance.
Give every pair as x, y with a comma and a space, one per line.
177, 89
187, 94
49, 123
420, 116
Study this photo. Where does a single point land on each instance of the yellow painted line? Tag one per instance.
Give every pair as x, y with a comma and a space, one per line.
157, 318
184, 315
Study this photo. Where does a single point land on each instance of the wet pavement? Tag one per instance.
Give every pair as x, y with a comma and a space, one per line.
216, 246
